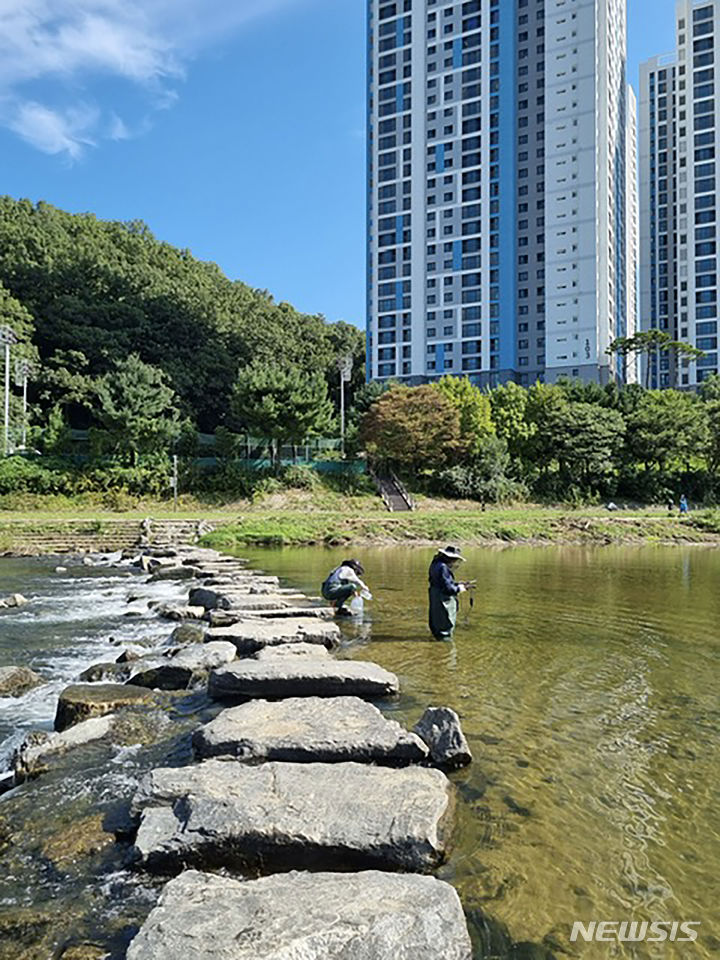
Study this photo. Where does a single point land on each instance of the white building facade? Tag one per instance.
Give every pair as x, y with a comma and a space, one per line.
498, 192
630, 374
678, 197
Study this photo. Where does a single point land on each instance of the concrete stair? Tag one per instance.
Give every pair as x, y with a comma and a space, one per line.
35, 538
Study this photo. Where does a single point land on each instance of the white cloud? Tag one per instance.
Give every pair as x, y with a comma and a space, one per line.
71, 43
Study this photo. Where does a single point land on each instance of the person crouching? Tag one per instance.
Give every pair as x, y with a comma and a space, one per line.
342, 584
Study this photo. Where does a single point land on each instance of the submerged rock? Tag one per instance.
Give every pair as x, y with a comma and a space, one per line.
309, 729
316, 916
82, 701
224, 812
252, 635
440, 728
301, 677
16, 681
78, 840
84, 951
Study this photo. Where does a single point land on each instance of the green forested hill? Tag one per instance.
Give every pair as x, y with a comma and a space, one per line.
98, 291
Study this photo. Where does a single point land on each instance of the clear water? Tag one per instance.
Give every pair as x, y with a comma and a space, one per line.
588, 683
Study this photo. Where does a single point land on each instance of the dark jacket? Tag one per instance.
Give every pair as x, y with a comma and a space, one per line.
441, 577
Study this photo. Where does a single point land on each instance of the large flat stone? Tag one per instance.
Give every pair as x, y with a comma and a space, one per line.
305, 916
174, 573
292, 650
189, 666
253, 602
277, 678
309, 729
80, 701
252, 635
226, 618
285, 815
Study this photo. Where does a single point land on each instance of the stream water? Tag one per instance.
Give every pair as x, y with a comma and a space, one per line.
588, 684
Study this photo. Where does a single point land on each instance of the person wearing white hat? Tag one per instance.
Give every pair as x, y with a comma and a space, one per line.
444, 592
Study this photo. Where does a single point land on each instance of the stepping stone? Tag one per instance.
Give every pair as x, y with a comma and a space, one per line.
174, 573
316, 916
309, 729
285, 815
84, 700
227, 618
252, 635
292, 650
190, 665
274, 679
251, 602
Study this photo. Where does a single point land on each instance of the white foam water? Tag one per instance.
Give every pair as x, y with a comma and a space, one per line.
71, 621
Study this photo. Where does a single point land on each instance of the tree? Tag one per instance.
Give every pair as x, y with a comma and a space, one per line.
109, 289
667, 427
649, 342
14, 315
282, 404
136, 411
508, 404
474, 409
710, 394
413, 427
585, 440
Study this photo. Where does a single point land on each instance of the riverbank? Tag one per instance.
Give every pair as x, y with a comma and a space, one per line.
528, 526
302, 518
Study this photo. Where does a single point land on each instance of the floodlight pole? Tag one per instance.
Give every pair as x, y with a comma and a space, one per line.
23, 370
7, 337
345, 365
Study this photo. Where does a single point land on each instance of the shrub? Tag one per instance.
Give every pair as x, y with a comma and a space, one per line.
300, 477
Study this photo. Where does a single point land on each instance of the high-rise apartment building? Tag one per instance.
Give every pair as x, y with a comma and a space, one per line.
678, 196
632, 219
498, 194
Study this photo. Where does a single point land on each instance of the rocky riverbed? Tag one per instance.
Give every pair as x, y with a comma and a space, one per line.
265, 757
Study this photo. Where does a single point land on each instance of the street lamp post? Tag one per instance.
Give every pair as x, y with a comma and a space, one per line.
7, 338
345, 365
23, 370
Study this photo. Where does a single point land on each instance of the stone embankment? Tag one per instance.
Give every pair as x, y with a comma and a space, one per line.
299, 770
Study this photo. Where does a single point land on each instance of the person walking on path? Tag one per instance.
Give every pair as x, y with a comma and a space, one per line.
343, 584
444, 592
684, 506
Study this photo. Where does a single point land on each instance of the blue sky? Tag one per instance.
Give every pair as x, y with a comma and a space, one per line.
234, 128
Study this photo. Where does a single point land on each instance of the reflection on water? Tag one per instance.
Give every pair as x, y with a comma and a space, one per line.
587, 681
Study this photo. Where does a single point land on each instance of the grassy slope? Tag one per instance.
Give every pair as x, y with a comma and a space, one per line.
298, 517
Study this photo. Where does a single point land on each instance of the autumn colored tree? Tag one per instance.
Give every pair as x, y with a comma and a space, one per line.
412, 427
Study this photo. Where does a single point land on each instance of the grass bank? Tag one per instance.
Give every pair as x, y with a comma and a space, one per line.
525, 524
298, 517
